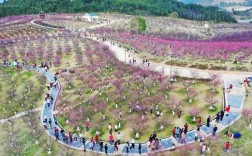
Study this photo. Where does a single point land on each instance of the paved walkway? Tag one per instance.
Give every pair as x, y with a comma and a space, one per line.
20, 115
125, 56
235, 98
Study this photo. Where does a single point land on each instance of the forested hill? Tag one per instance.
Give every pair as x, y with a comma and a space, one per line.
135, 7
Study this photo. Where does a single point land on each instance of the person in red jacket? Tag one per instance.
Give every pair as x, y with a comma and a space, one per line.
173, 132
227, 110
111, 139
230, 86
227, 146
87, 126
71, 137
96, 139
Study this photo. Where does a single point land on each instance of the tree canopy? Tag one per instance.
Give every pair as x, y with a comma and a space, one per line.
136, 7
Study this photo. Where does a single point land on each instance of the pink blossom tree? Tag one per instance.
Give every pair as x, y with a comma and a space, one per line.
57, 60
173, 104
191, 95
211, 99
68, 79
186, 84
100, 107
247, 114
194, 112
166, 88
76, 118
214, 84
138, 124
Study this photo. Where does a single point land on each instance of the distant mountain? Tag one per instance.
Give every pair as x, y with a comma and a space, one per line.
218, 2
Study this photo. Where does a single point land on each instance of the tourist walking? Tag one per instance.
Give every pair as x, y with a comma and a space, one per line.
196, 136
106, 149
84, 141
177, 132
215, 128
208, 121
91, 145
203, 149
70, 137
140, 148
110, 128
55, 121
56, 132
230, 87
218, 117
185, 128
50, 123
111, 139
81, 136
183, 138
198, 126
154, 135
75, 138
118, 138
127, 147
96, 139
173, 133
179, 113
227, 147
132, 144
87, 126
101, 145
45, 118
156, 144
116, 146
227, 110
222, 114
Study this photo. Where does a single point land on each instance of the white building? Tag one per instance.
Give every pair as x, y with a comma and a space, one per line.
91, 17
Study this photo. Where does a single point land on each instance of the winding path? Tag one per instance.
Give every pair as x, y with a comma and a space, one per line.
235, 99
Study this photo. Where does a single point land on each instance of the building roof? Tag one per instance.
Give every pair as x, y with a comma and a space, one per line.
92, 14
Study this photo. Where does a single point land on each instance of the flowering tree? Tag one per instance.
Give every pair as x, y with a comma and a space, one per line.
118, 84
137, 80
194, 112
79, 91
185, 149
76, 118
214, 84
79, 57
186, 84
163, 121
138, 124
166, 88
210, 98
213, 76
148, 84
191, 94
68, 79
100, 107
247, 114
173, 103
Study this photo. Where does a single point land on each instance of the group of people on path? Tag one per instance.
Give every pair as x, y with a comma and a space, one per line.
180, 133
146, 61
154, 142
